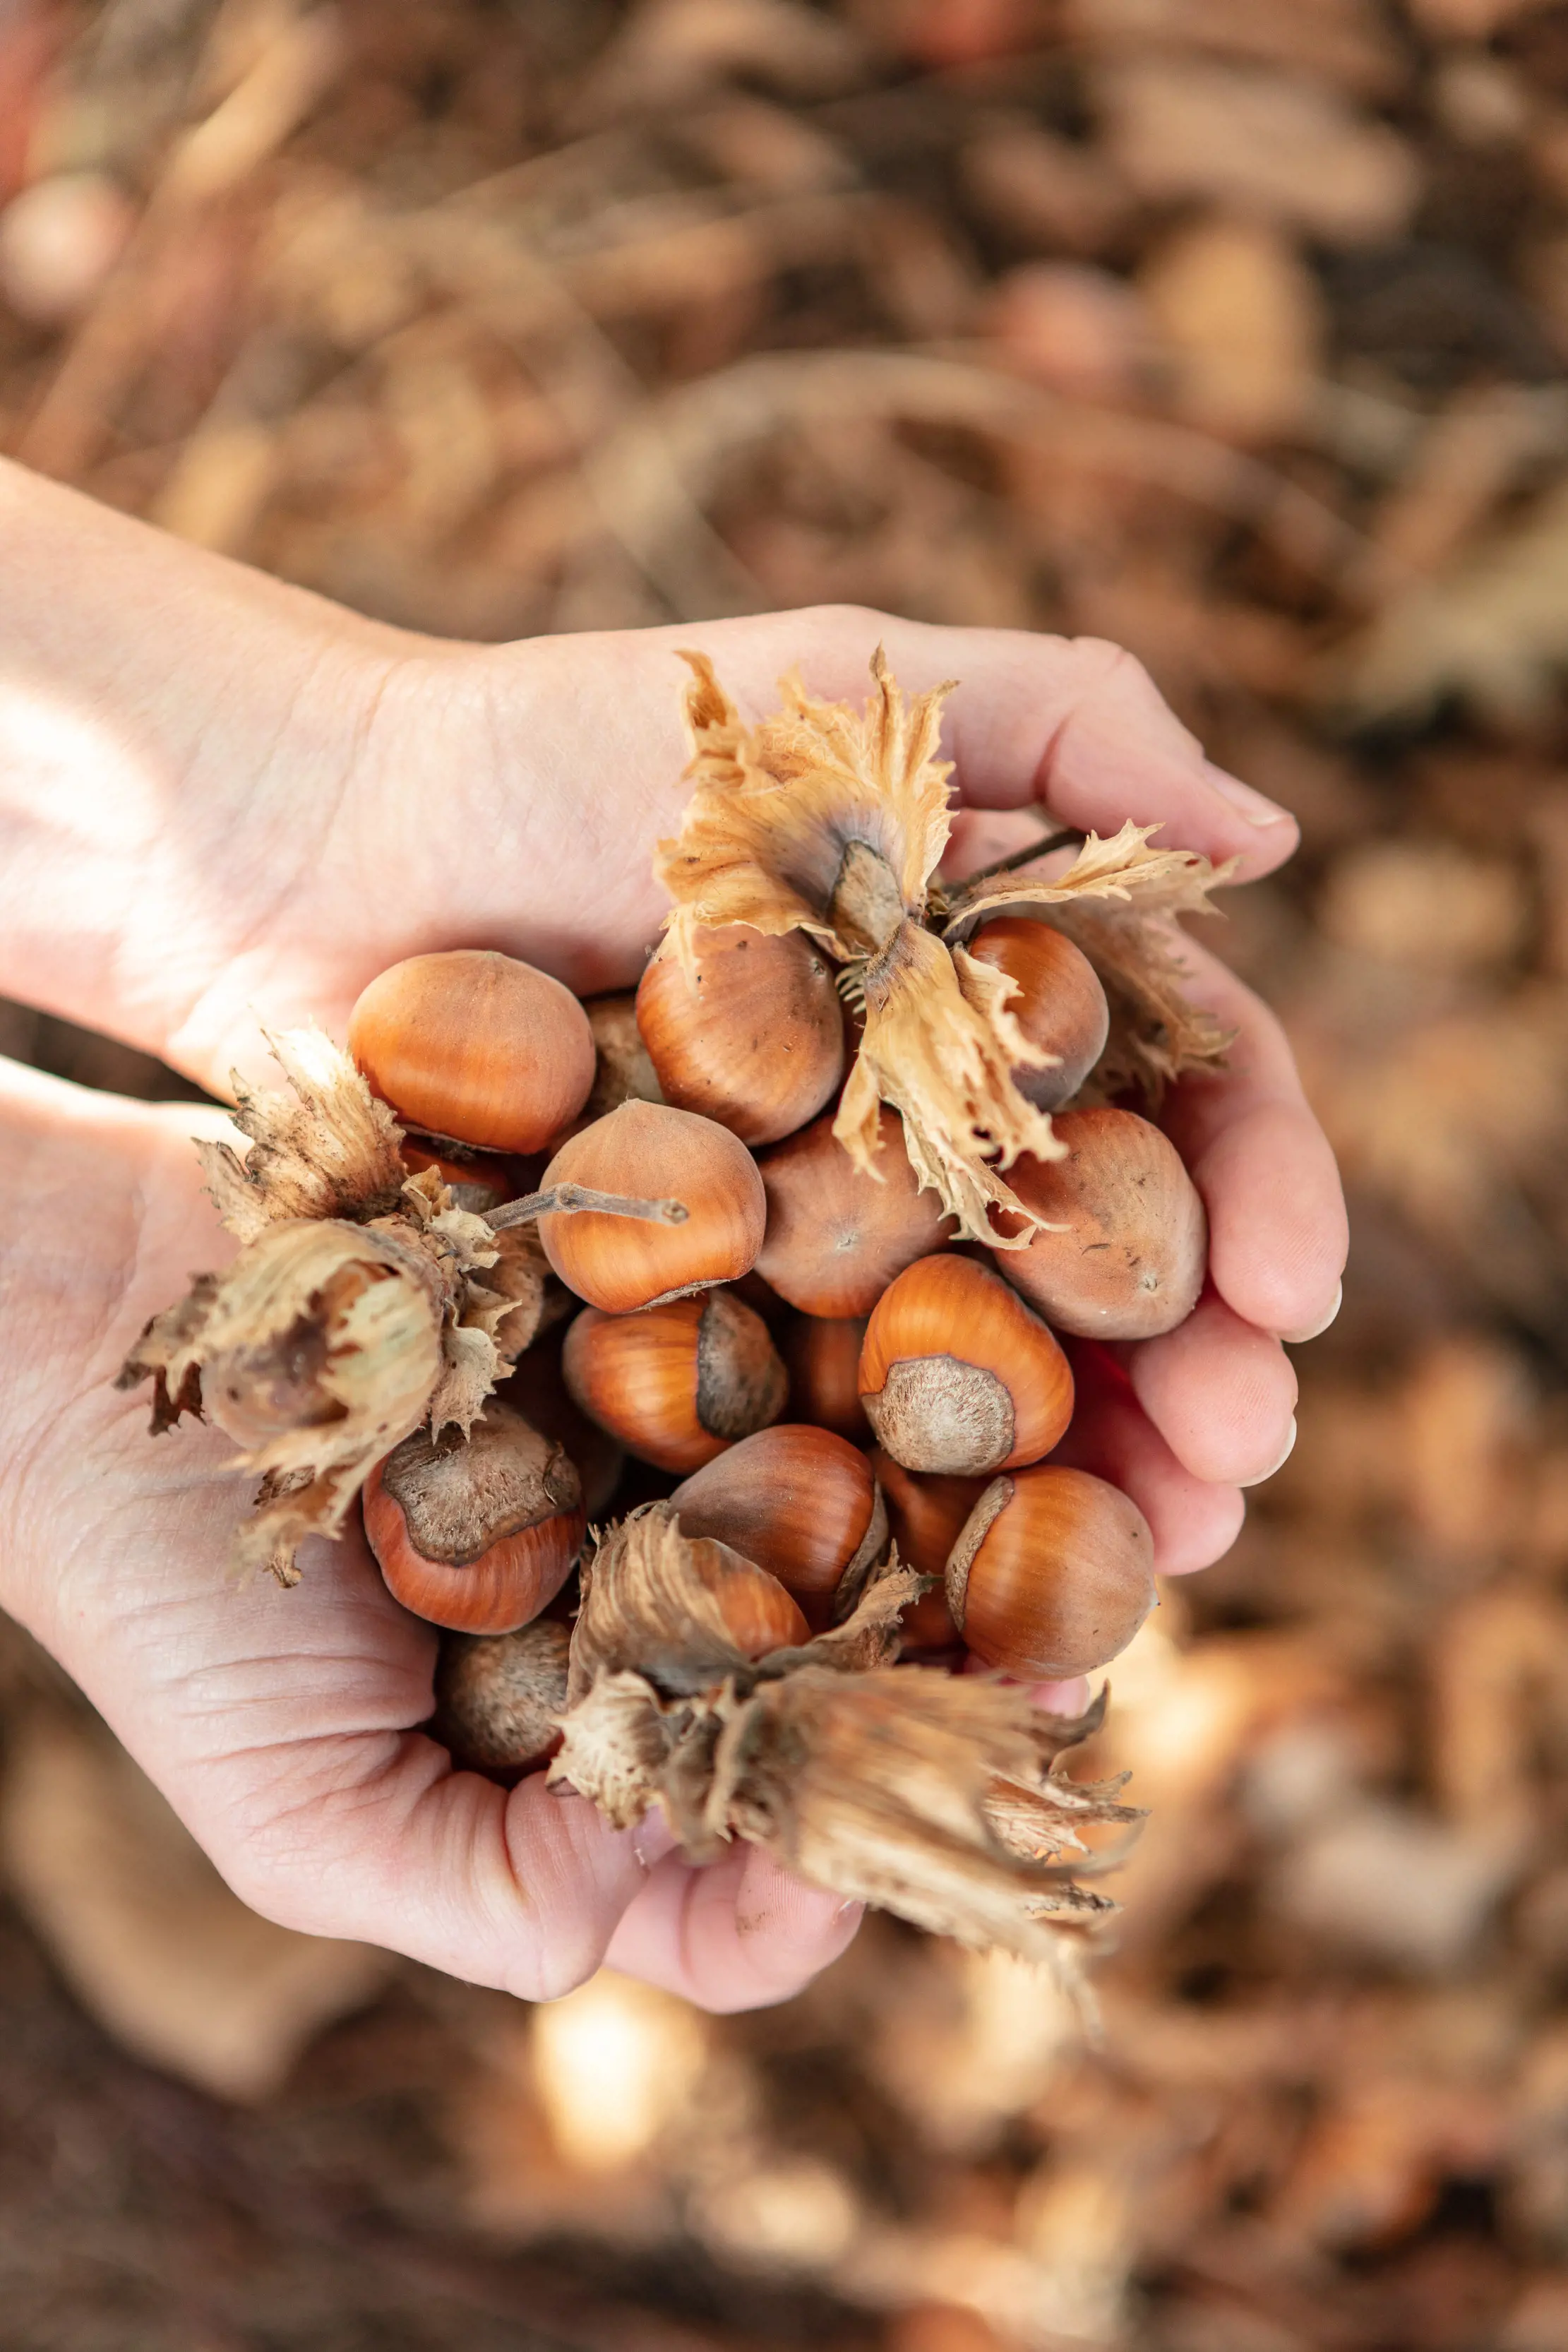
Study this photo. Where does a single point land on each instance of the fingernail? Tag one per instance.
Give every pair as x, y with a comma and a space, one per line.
1253, 806
653, 1838
1284, 1457
1300, 1339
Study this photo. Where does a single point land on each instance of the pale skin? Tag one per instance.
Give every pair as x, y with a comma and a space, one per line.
224, 801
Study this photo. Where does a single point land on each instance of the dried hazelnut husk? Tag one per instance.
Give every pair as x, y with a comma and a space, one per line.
1052, 1574
476, 1532
677, 1384
622, 1263
356, 1308
1059, 1005
499, 1696
957, 1376
822, 1356
474, 1045
623, 1072
477, 1184
832, 821
746, 1028
1124, 1253
837, 1234
933, 1795
758, 1614
802, 1503
925, 1517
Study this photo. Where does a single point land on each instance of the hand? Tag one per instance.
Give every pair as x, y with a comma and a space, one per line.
298, 799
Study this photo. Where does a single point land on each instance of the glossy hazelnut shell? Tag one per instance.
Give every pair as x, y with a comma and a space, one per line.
752, 1035
652, 1151
1059, 1004
925, 1517
799, 1502
1053, 1575
476, 1045
1130, 1263
954, 1379
836, 1238
475, 1534
679, 1383
822, 1353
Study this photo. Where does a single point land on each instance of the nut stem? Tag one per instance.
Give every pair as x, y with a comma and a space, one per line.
566, 1200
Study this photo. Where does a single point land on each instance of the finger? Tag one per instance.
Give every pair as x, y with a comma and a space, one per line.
365, 1831
1220, 1394
1278, 1235
1069, 1697
1072, 722
743, 1933
1193, 1522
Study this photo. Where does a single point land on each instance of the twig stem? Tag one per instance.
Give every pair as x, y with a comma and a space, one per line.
571, 1200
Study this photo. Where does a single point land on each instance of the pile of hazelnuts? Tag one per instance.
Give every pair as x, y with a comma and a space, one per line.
797, 1354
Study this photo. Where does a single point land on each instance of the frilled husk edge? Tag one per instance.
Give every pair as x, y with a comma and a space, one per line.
362, 1303
933, 1796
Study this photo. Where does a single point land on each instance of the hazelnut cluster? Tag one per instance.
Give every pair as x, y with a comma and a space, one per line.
760, 1271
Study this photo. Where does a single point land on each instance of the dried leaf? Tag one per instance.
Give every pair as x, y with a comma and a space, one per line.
1492, 632
1157, 881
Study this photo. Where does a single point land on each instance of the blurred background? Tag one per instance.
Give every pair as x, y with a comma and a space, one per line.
1230, 331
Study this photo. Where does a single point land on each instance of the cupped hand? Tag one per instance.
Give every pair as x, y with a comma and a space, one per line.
357, 797
281, 1725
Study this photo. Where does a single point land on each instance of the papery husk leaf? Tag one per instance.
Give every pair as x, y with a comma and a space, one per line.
930, 1795
1156, 1033
776, 808
326, 1148
643, 1607
1124, 867
882, 1786
1116, 902
383, 1356
528, 1298
940, 1046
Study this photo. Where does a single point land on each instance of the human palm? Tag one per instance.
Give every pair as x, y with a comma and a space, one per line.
345, 797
